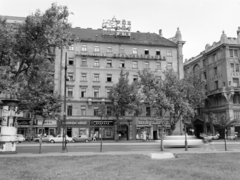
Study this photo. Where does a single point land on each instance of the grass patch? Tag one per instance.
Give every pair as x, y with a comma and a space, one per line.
186, 166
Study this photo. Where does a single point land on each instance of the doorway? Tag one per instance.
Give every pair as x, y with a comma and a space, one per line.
123, 130
154, 135
69, 132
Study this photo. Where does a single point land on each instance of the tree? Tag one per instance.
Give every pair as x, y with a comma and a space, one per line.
154, 91
25, 46
122, 99
224, 124
102, 113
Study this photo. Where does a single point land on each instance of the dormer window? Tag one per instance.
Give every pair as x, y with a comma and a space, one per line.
146, 52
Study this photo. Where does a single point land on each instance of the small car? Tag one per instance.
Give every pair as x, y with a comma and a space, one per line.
59, 138
44, 138
20, 138
81, 138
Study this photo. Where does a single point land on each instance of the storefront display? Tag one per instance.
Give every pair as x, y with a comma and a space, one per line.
102, 128
77, 127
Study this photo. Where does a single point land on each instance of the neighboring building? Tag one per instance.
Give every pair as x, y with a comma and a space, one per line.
13, 19
93, 66
219, 67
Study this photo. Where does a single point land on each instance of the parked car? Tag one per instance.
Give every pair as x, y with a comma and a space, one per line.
81, 138
45, 138
59, 138
20, 138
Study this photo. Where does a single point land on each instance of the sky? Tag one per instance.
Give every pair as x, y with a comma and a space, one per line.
201, 22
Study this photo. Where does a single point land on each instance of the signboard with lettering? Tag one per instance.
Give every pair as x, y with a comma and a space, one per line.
153, 122
76, 123
24, 122
47, 122
101, 123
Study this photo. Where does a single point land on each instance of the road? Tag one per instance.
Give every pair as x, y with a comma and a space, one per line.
107, 147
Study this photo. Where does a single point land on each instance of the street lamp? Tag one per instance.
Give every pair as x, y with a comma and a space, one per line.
64, 142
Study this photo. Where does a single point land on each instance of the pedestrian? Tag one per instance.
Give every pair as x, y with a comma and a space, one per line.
94, 137
119, 136
147, 136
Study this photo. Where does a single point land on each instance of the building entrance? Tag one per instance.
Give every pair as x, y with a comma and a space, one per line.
123, 130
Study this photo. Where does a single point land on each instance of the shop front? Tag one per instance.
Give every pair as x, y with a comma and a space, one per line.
24, 126
49, 127
102, 128
151, 129
77, 127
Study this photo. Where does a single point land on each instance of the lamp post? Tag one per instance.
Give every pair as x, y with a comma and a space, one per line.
64, 143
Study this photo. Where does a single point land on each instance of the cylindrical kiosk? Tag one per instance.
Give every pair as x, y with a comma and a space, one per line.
8, 130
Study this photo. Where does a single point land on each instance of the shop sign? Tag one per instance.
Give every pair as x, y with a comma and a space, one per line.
47, 122
153, 122
23, 122
76, 122
101, 123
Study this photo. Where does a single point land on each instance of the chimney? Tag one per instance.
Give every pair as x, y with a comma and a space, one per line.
160, 32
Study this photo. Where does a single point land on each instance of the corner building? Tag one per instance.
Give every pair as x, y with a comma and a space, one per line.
94, 63
218, 66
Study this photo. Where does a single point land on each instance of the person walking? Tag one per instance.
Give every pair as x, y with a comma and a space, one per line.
94, 137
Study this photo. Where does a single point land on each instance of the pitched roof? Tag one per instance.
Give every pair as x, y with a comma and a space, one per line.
140, 38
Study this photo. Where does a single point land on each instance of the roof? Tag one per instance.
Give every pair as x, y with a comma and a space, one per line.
140, 38
13, 18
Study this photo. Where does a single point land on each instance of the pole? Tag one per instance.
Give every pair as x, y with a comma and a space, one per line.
186, 145
64, 143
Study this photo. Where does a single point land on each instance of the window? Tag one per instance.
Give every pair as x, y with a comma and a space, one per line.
216, 84
95, 111
109, 111
205, 75
235, 82
135, 51
70, 76
232, 67
158, 64
121, 50
109, 49
96, 63
169, 52
96, 49
204, 62
96, 92
108, 92
109, 63
214, 58
135, 77
84, 62
83, 92
237, 67
96, 77
215, 71
158, 52
146, 65
70, 61
148, 111
69, 110
233, 52
169, 65
69, 92
84, 77
122, 64
146, 52
109, 78
83, 110
71, 48
84, 48
135, 64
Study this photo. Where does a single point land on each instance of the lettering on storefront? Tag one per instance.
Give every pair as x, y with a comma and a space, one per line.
154, 122
101, 123
47, 122
76, 122
23, 122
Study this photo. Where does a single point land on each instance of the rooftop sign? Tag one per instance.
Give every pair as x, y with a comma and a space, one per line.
116, 27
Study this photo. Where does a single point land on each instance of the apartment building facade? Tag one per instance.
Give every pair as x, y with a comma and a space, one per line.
218, 66
94, 63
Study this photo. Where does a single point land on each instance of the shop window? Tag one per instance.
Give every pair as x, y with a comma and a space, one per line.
83, 110
135, 51
69, 110
148, 111
96, 49
84, 77
109, 63
70, 61
109, 78
96, 78
146, 52
135, 64
84, 62
84, 48
96, 63
122, 64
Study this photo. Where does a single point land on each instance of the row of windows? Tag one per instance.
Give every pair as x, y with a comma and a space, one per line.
96, 77
96, 49
95, 111
109, 63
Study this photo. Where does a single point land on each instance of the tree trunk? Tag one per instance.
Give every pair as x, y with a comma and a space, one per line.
186, 144
161, 145
101, 141
40, 140
116, 130
31, 125
225, 142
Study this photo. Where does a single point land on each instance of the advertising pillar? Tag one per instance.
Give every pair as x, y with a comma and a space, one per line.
8, 129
